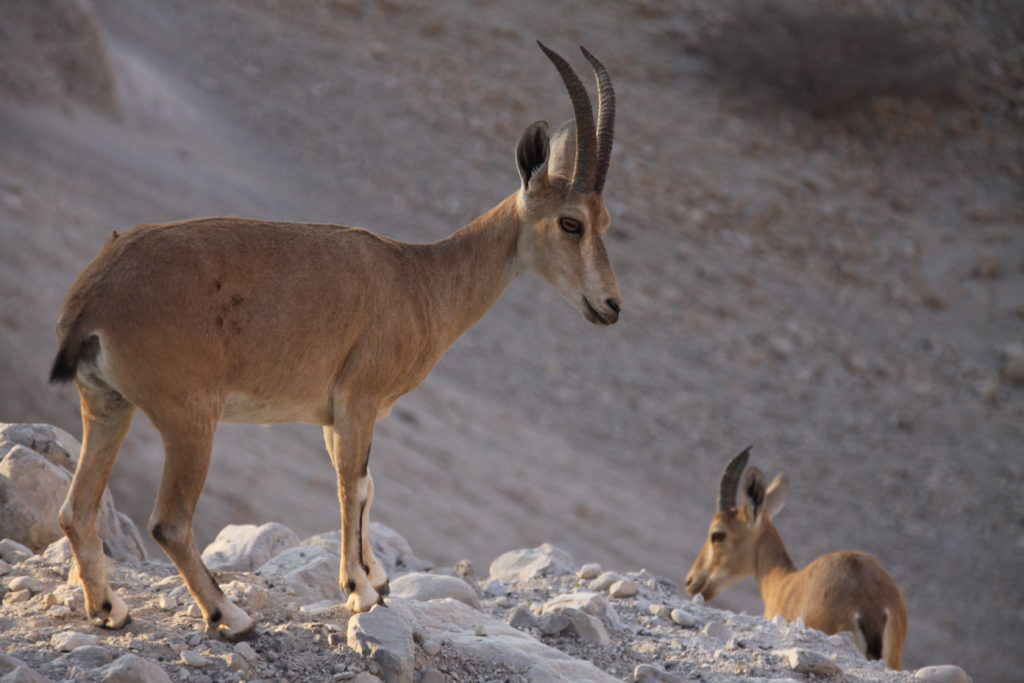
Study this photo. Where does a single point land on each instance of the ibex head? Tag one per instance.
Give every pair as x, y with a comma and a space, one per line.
729, 553
561, 200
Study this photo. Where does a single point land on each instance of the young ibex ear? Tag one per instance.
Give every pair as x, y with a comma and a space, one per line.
532, 154
753, 493
775, 497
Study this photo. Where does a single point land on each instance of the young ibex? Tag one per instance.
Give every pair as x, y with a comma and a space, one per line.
837, 592
233, 320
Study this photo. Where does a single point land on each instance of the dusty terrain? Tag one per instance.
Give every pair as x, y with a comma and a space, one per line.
842, 293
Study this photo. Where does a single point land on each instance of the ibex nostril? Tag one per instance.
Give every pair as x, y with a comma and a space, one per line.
613, 304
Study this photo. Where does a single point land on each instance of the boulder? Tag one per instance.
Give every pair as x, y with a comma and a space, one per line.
23, 674
36, 464
476, 638
422, 586
383, 636
529, 563
246, 547
310, 573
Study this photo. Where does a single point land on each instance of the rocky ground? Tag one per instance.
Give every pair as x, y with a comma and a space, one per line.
536, 615
841, 290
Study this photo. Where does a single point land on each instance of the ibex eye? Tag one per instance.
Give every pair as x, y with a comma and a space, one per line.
570, 225
718, 537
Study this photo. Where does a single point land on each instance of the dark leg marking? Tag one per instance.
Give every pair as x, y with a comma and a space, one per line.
216, 616
359, 538
107, 606
157, 532
216, 586
350, 586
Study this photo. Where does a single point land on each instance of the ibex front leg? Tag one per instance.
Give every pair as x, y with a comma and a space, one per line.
348, 442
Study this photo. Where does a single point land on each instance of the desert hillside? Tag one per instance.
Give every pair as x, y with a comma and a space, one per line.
839, 282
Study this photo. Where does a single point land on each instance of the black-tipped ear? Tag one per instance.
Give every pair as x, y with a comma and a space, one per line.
532, 153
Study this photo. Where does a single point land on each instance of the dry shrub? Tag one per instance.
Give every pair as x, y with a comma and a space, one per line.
827, 55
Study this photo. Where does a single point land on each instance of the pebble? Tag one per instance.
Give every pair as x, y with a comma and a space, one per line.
29, 583
946, 673
623, 588
683, 618
590, 570
15, 597
808, 662
717, 630
432, 676
521, 619
66, 641
552, 624
4, 568
166, 602
604, 581
658, 610
13, 552
505, 601
59, 612
647, 673
90, 656
193, 611
495, 588
245, 649
194, 659
463, 568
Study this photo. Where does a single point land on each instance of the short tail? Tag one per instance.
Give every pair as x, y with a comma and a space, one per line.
71, 351
872, 629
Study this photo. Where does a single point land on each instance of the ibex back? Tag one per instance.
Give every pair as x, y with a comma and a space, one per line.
848, 591
232, 320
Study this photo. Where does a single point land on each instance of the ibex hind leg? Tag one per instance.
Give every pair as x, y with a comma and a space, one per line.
378, 577
188, 444
106, 417
348, 442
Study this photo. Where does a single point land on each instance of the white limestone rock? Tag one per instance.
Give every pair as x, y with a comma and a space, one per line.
945, 673
66, 641
529, 563
808, 662
246, 547
384, 637
309, 573
423, 586
133, 669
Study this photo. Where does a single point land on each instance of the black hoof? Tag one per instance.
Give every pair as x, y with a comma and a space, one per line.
384, 589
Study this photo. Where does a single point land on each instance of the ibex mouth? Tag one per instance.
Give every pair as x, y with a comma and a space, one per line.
593, 316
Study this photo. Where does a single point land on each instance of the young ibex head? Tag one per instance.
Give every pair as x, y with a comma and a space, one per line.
561, 198
729, 552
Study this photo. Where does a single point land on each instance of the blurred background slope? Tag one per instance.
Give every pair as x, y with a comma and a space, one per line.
817, 226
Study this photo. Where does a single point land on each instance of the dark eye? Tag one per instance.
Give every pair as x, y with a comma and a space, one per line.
718, 537
570, 225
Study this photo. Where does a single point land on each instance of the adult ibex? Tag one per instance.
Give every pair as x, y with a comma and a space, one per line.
837, 592
234, 320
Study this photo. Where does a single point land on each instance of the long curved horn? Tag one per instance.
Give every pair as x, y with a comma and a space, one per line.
586, 136
605, 119
731, 480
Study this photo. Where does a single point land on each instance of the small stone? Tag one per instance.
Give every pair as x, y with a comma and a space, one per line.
59, 612
15, 597
603, 582
432, 676
194, 659
133, 669
683, 618
166, 602
193, 611
4, 568
716, 630
505, 601
495, 588
28, 583
13, 552
586, 627
245, 649
591, 570
90, 656
521, 619
384, 637
946, 673
23, 674
522, 565
364, 677
431, 647
647, 673
423, 586
66, 641
235, 662
47, 601
463, 569
658, 610
552, 624
808, 662
623, 589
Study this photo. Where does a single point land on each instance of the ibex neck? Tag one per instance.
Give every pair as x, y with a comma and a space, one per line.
772, 567
470, 269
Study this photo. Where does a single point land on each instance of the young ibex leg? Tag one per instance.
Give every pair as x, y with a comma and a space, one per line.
106, 416
348, 442
187, 448
378, 577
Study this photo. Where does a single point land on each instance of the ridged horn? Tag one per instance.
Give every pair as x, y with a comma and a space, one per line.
583, 114
605, 119
731, 480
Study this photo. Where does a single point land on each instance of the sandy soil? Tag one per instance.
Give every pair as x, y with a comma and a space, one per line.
836, 292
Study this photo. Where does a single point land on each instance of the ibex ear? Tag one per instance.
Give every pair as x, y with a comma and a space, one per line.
532, 154
775, 497
563, 151
753, 494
